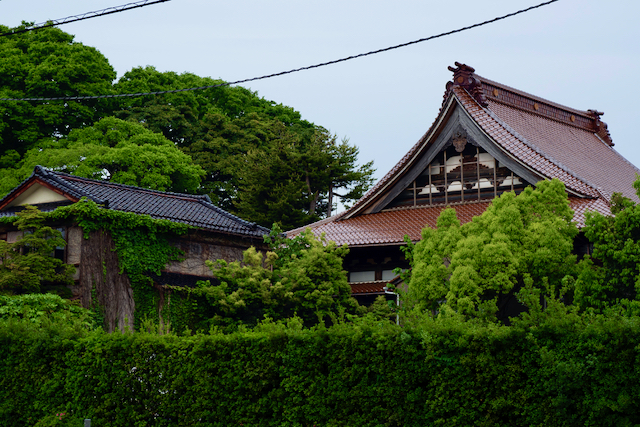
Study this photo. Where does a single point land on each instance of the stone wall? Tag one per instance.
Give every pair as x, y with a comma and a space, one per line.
200, 248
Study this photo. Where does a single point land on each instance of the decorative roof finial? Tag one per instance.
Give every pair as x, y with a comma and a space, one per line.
601, 127
463, 76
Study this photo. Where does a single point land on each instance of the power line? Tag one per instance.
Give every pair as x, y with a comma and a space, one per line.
87, 15
282, 73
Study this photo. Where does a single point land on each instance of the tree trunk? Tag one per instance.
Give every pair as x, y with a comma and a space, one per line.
314, 200
100, 278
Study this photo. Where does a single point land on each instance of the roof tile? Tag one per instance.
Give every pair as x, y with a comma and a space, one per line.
194, 210
390, 227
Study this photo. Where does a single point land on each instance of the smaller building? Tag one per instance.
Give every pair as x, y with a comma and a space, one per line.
217, 234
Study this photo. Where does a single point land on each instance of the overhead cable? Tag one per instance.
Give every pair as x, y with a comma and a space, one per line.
282, 73
88, 15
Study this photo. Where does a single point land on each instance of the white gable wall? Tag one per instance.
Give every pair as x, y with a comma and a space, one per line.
37, 194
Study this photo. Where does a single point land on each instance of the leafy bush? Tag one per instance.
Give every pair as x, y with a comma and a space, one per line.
39, 308
27, 264
553, 368
300, 277
476, 269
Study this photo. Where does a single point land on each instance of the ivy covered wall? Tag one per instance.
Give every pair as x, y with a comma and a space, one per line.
119, 254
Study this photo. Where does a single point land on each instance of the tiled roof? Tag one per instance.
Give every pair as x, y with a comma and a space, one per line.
375, 286
520, 147
552, 140
194, 210
581, 151
389, 227
368, 288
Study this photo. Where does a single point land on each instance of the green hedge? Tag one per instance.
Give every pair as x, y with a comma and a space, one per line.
439, 373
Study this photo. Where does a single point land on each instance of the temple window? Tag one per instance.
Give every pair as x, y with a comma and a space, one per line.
362, 276
460, 173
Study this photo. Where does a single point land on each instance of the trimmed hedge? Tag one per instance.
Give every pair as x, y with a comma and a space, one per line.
439, 373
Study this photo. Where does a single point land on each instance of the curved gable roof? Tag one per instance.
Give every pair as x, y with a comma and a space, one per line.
546, 139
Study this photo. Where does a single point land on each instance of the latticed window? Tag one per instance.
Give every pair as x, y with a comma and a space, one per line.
461, 172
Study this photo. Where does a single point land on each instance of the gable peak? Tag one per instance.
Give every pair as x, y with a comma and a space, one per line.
464, 76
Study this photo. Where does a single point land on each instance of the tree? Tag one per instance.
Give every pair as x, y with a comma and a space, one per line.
28, 264
302, 277
114, 150
178, 115
292, 182
225, 130
262, 161
476, 268
614, 278
47, 63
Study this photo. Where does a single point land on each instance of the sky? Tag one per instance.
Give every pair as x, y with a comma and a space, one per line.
584, 54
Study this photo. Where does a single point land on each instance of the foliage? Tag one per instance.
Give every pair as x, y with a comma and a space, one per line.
554, 370
614, 277
253, 157
47, 63
380, 310
262, 161
62, 419
475, 269
291, 181
26, 265
40, 308
114, 150
302, 277
287, 248
143, 245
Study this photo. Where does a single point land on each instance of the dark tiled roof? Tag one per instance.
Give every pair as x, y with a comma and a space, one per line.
194, 210
550, 139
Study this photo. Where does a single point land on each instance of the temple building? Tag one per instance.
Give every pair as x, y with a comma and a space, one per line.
488, 138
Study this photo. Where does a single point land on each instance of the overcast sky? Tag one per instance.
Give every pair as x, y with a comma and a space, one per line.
580, 53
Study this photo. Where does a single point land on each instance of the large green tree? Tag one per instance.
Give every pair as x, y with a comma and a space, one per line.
262, 160
292, 181
475, 268
114, 150
227, 131
47, 63
614, 277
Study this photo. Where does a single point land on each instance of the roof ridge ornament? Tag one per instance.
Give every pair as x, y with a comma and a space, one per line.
463, 76
602, 129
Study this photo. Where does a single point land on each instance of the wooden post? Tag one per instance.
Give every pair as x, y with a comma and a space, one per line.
446, 198
478, 169
430, 187
414, 193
